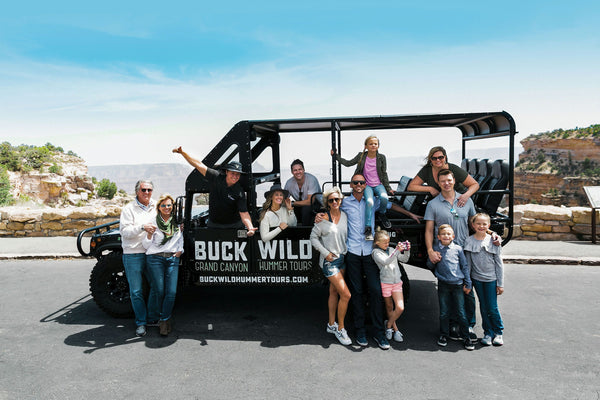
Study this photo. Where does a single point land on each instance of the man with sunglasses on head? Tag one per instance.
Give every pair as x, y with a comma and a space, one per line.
301, 187
137, 219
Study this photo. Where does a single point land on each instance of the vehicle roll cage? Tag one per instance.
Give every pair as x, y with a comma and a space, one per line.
248, 139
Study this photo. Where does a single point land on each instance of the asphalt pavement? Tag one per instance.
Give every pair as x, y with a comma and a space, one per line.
515, 252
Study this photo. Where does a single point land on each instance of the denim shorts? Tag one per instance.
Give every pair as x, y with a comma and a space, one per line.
333, 267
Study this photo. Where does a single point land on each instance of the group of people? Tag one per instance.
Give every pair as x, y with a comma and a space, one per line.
350, 247
459, 261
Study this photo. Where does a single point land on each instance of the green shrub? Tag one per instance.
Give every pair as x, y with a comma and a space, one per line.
106, 189
35, 157
9, 158
56, 169
6, 198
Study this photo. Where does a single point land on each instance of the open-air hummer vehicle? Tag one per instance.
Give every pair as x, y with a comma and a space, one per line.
230, 257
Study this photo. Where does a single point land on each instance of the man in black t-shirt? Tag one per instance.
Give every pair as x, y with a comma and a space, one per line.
227, 200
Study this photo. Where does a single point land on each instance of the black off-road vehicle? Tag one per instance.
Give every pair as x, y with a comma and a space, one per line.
229, 257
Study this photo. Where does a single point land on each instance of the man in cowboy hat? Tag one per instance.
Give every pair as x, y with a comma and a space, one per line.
227, 206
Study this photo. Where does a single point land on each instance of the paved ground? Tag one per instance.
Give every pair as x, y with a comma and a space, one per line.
271, 344
516, 251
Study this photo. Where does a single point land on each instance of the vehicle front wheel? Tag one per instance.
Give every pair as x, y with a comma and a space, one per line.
109, 286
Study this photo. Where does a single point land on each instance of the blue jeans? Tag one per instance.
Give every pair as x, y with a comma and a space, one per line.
163, 274
381, 193
135, 265
356, 267
451, 298
469, 310
491, 321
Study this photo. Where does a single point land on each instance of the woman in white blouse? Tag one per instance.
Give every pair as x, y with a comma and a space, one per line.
329, 238
277, 213
163, 249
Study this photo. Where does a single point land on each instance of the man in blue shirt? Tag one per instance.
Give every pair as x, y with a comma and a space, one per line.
359, 262
454, 279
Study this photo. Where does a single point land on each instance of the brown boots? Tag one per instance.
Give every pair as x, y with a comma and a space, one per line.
164, 327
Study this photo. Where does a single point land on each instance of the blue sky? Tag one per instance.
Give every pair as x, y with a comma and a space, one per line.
124, 83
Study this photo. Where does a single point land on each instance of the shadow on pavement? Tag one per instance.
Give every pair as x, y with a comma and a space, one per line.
274, 316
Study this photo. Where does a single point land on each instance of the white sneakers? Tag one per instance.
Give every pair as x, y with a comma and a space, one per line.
342, 337
497, 341
486, 340
398, 336
390, 333
332, 328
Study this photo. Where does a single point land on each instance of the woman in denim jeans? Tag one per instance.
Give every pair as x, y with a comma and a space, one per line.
163, 249
329, 238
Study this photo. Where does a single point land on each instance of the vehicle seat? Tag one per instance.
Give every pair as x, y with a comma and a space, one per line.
472, 169
499, 181
465, 164
484, 168
414, 203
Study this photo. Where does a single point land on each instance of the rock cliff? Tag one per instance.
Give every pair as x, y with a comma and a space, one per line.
556, 165
72, 185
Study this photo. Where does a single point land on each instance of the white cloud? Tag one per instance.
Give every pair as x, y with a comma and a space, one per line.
119, 117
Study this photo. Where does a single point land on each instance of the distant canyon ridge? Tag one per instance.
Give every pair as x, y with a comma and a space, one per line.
552, 170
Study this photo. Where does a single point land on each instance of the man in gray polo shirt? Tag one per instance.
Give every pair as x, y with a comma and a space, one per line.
444, 209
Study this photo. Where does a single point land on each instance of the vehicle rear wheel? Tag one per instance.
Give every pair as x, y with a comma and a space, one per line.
109, 286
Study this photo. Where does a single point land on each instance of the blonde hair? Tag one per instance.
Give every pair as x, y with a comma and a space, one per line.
379, 236
268, 203
365, 148
480, 215
445, 227
329, 192
162, 198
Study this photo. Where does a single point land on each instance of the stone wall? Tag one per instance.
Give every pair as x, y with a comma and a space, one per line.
41, 222
532, 221
537, 222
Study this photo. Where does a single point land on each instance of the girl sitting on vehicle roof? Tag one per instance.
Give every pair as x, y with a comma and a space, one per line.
373, 166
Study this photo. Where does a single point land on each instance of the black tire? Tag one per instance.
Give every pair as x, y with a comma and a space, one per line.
109, 286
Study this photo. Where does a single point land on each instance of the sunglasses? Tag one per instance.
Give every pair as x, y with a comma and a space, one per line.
166, 205
334, 199
437, 158
146, 190
454, 213
358, 182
